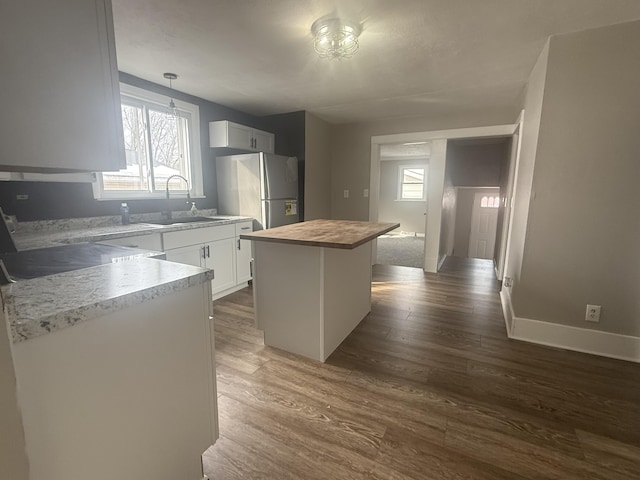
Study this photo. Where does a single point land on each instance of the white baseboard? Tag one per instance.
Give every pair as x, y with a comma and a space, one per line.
595, 342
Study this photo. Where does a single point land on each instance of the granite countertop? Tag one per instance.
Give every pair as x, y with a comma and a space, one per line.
344, 234
42, 305
39, 234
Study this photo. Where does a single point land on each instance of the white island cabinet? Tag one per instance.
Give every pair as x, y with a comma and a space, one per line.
115, 371
60, 94
312, 283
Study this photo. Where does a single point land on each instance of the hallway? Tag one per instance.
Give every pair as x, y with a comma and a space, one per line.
427, 386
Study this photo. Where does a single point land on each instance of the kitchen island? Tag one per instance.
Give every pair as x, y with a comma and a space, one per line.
312, 282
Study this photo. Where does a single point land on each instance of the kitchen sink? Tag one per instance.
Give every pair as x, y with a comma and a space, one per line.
174, 221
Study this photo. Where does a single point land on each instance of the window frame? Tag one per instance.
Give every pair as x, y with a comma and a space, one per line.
401, 169
132, 95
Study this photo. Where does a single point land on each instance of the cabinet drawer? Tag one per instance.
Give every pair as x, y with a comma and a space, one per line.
244, 227
193, 236
146, 242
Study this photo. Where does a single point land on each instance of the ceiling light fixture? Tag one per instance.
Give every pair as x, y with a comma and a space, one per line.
335, 37
172, 109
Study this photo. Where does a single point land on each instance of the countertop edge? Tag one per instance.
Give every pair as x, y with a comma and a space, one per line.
319, 243
21, 332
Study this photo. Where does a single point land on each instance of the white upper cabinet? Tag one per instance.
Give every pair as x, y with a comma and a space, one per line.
60, 95
233, 135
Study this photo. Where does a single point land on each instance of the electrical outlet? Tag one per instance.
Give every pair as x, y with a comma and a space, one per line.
508, 282
365, 193
345, 193
593, 313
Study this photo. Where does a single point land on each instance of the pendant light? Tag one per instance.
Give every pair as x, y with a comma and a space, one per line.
171, 108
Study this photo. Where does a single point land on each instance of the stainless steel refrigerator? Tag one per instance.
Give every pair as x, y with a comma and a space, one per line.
259, 185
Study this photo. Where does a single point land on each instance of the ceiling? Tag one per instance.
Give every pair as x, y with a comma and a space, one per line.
416, 57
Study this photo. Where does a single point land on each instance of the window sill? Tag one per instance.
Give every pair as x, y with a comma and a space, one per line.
149, 197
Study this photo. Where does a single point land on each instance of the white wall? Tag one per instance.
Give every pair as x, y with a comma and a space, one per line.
409, 214
317, 181
13, 459
583, 224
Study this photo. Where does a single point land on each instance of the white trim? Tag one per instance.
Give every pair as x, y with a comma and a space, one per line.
473, 132
441, 261
507, 309
585, 340
507, 221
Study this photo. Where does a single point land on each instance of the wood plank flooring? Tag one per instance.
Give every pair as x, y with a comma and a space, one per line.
428, 386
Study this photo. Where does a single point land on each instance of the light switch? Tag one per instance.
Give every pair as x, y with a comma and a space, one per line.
345, 193
365, 193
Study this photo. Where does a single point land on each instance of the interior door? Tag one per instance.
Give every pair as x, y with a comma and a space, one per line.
484, 220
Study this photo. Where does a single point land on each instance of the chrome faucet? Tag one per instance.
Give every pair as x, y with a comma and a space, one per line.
167, 213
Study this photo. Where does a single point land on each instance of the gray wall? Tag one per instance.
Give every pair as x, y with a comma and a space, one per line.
410, 215
583, 224
475, 164
317, 179
13, 458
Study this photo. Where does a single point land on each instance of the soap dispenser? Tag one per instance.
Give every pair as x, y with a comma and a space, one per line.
124, 212
193, 210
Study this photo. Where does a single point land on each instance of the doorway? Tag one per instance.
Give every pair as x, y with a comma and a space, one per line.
438, 140
404, 173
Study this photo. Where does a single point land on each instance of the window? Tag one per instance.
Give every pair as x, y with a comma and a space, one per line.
490, 202
411, 183
157, 146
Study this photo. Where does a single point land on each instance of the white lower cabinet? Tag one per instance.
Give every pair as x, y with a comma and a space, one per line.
217, 248
221, 257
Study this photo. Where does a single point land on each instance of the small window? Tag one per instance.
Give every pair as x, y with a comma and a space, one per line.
157, 146
411, 185
490, 202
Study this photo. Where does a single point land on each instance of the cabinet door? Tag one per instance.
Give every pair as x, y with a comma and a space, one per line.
221, 258
263, 141
60, 94
191, 255
239, 136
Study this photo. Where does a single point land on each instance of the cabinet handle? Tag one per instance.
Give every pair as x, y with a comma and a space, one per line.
208, 252
245, 228
251, 267
203, 252
238, 244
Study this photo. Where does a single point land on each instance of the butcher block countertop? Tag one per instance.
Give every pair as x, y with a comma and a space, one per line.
346, 234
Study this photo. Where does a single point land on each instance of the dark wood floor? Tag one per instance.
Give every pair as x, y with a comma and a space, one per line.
427, 387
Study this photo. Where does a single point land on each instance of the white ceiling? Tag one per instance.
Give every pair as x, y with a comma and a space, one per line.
416, 57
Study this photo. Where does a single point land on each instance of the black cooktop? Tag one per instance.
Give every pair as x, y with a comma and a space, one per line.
65, 258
